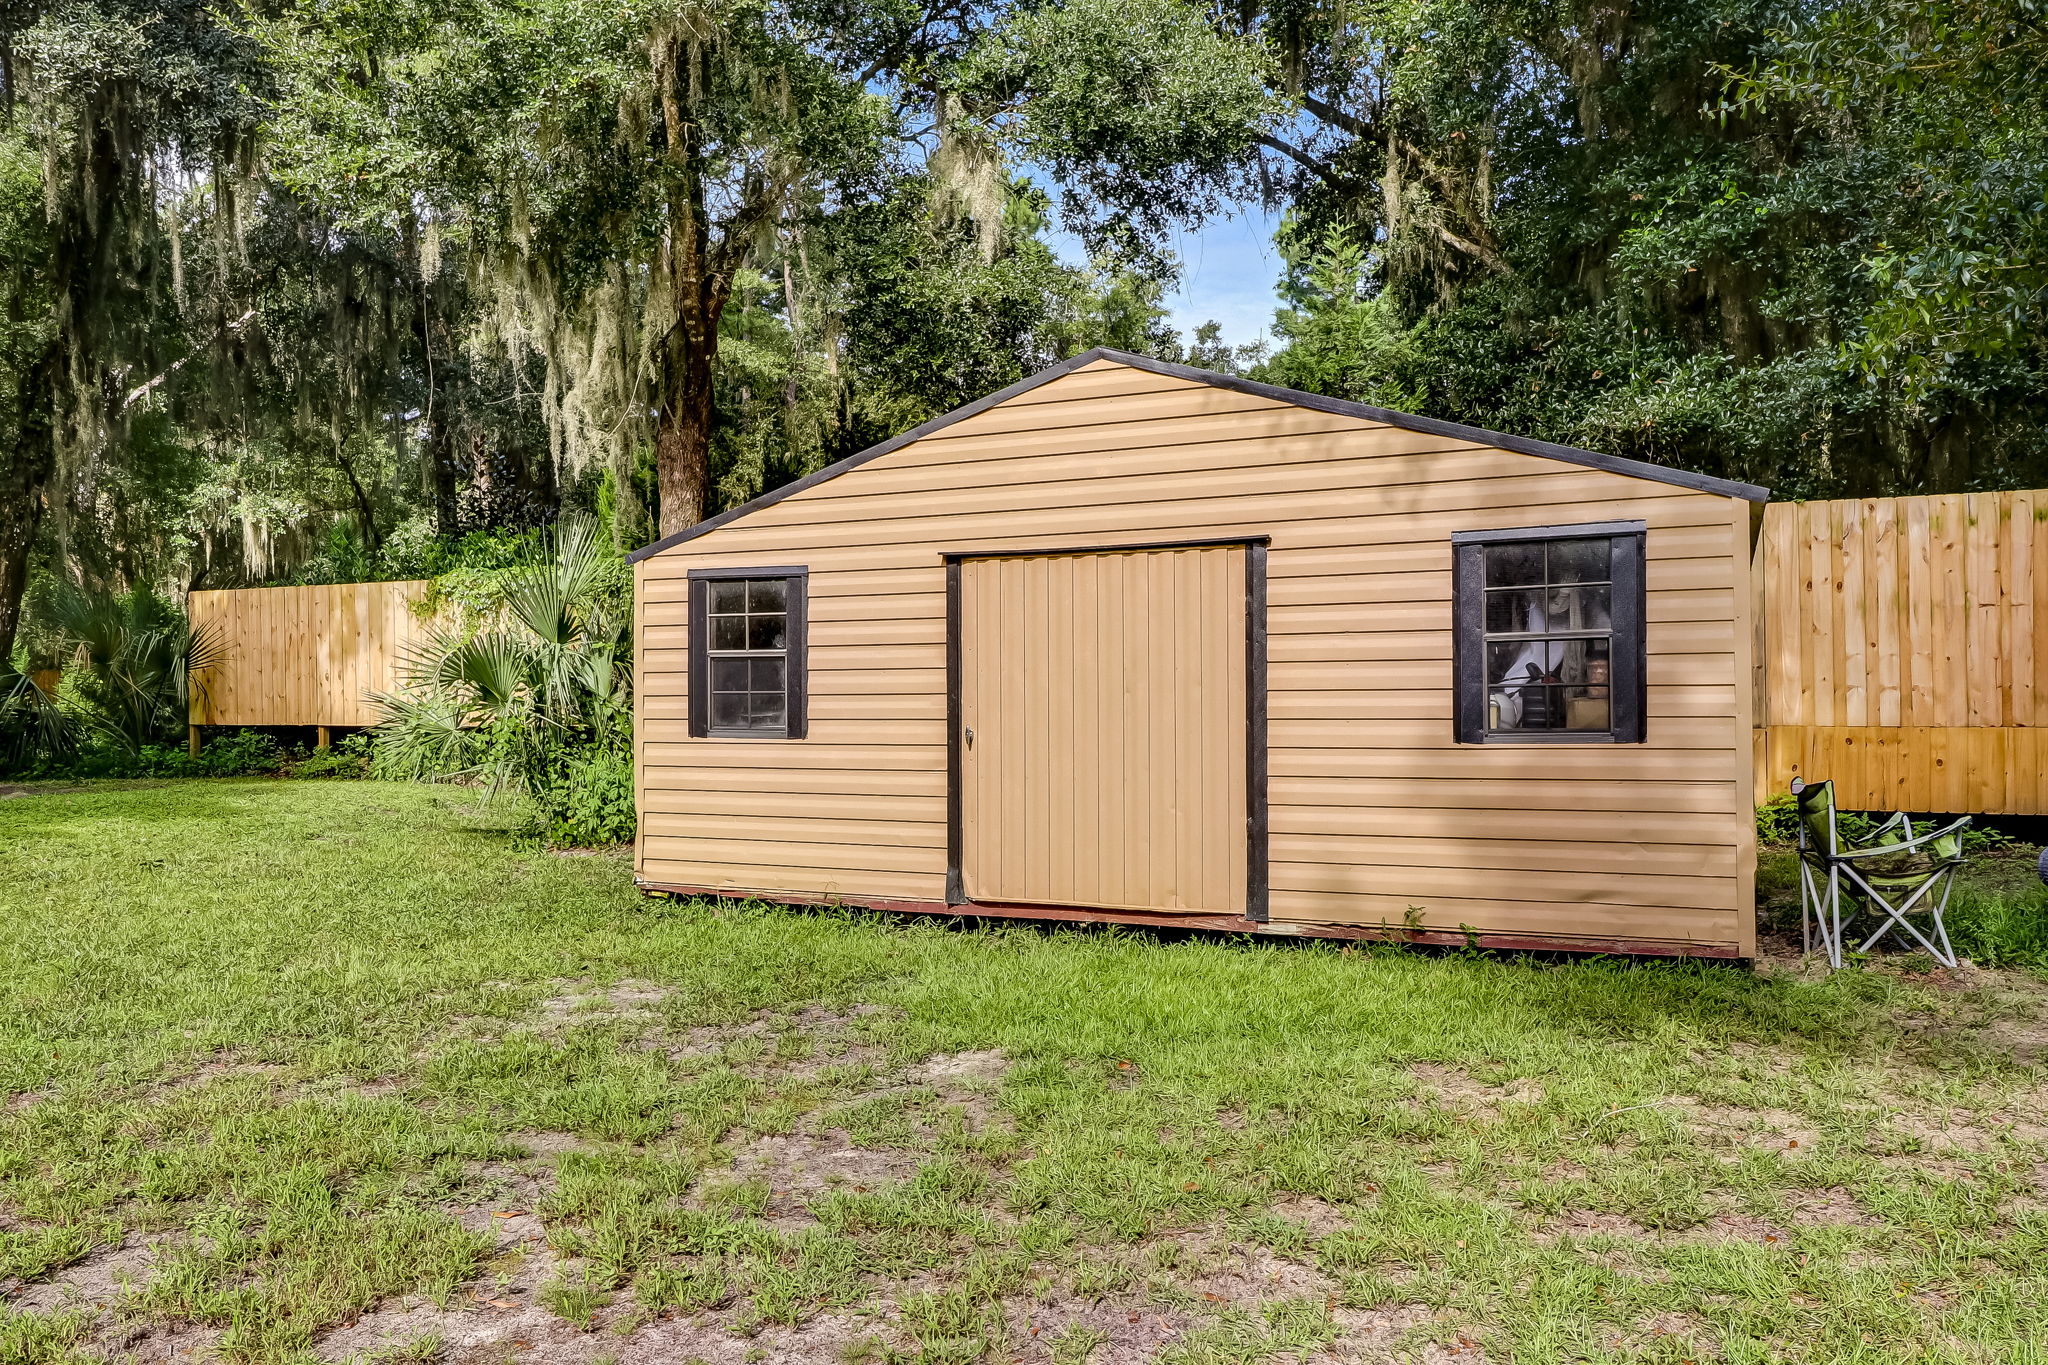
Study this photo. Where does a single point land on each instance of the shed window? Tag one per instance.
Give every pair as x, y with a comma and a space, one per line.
1550, 634
747, 664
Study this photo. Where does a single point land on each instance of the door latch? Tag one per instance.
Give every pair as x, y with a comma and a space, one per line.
970, 736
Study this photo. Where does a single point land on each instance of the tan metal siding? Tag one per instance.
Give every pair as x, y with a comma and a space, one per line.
1107, 696
1373, 807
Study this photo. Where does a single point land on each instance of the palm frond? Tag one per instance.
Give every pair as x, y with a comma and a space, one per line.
495, 668
32, 724
551, 593
425, 736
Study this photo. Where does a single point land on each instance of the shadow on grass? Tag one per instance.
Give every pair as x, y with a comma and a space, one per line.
1597, 997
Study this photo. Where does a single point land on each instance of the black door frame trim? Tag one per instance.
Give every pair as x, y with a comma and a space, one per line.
1107, 548
1258, 873
1258, 878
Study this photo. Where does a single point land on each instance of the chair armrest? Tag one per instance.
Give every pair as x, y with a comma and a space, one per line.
1906, 846
1898, 821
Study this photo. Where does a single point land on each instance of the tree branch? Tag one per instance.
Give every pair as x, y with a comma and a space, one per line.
143, 390
1317, 167
1485, 255
1340, 118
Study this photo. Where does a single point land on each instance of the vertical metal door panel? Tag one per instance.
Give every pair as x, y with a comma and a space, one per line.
1106, 696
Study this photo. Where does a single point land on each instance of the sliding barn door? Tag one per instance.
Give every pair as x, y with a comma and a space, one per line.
1102, 705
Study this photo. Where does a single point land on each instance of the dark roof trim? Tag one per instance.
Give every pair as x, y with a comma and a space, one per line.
1613, 464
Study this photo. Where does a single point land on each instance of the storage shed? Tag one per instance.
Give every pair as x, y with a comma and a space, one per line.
1134, 642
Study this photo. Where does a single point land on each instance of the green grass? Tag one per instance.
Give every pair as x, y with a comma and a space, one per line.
316, 1060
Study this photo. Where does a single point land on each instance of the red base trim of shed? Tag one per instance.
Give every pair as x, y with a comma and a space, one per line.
1220, 924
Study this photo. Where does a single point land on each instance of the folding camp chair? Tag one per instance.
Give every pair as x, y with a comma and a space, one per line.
1894, 872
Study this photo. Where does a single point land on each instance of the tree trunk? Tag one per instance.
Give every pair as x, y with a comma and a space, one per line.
24, 472
440, 451
366, 511
440, 456
682, 443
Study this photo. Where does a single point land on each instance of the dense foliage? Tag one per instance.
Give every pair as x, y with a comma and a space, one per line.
1800, 244
529, 687
128, 669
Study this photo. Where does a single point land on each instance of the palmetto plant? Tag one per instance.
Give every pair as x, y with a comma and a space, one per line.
130, 663
136, 659
32, 725
544, 675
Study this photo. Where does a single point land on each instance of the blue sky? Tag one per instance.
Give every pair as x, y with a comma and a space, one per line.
1229, 270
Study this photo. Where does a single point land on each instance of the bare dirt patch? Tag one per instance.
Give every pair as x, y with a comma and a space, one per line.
1659, 1329
1769, 1130
1370, 1333
1456, 1089
967, 1080
798, 1168
1739, 1227
950, 1068
798, 1047
1832, 1207
1319, 1216
1956, 1130
829, 1337
1126, 1331
509, 1211
580, 1003
1249, 1276
98, 1282
487, 1320
155, 1342
220, 1069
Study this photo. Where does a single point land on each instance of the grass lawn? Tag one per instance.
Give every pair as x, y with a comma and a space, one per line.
297, 1069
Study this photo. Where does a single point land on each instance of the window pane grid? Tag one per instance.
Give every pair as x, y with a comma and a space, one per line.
747, 654
1547, 635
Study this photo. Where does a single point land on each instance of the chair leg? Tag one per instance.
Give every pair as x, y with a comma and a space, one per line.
1895, 915
1805, 909
1948, 952
1835, 910
1813, 911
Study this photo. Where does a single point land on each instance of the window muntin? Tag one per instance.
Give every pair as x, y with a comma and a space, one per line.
1549, 631
1548, 640
747, 652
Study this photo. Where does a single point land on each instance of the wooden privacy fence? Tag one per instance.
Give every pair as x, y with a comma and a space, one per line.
304, 656
1900, 651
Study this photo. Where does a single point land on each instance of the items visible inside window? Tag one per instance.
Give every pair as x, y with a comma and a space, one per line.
1549, 623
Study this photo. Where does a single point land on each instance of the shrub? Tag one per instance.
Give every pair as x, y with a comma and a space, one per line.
128, 661
586, 798
239, 753
1777, 822
349, 756
534, 694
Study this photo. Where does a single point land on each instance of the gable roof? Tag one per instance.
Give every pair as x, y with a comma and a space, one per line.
1614, 464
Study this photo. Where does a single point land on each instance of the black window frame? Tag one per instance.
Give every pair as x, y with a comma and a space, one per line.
795, 652
1627, 645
